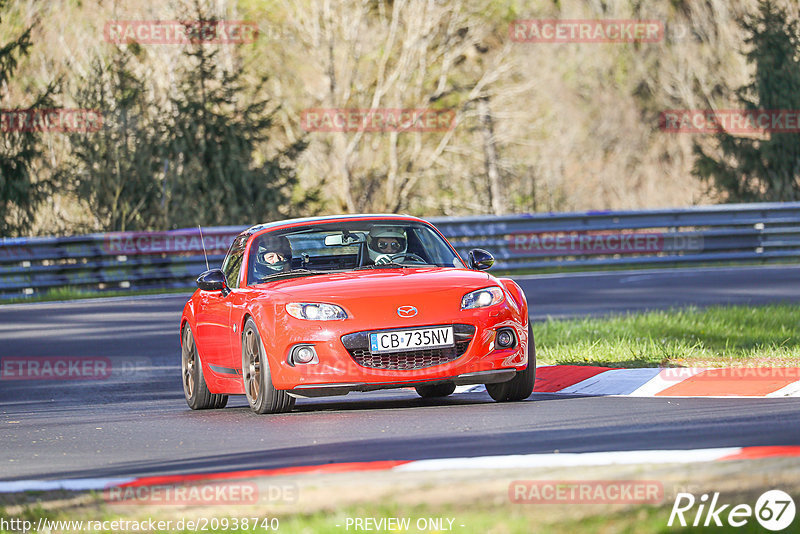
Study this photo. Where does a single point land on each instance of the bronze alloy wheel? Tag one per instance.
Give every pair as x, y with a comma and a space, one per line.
252, 366
188, 360
197, 394
261, 393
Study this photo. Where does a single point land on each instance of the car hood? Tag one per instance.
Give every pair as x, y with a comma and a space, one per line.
381, 282
379, 292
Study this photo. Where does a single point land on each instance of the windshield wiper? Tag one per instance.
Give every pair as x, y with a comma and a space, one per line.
392, 265
290, 274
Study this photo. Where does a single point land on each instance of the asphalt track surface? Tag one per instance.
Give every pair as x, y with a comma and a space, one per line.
136, 422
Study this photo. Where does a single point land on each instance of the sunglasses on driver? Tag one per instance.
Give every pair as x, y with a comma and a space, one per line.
391, 245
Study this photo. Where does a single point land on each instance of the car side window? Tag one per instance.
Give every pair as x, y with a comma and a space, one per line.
233, 261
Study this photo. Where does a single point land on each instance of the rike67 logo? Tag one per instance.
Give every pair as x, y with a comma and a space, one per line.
774, 510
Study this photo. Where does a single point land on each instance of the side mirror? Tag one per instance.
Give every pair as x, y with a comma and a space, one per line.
213, 280
480, 260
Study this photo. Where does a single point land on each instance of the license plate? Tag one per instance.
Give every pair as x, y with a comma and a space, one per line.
421, 338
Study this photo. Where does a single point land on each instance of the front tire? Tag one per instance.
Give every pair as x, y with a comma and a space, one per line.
521, 386
261, 394
436, 390
198, 397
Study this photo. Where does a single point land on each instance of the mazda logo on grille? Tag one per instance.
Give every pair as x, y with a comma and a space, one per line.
406, 311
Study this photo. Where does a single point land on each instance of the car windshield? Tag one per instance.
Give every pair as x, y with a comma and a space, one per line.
345, 246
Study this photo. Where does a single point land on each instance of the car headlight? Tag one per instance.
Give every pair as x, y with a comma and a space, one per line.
482, 298
312, 311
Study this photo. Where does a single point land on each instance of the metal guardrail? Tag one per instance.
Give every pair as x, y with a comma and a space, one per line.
732, 233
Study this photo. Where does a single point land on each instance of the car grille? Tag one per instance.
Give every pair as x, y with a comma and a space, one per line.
357, 345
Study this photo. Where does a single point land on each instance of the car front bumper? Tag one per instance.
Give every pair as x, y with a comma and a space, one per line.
338, 371
325, 390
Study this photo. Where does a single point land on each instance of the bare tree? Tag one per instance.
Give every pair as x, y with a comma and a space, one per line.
395, 55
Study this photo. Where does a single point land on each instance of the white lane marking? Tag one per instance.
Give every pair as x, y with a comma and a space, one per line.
790, 390
571, 459
636, 278
475, 388
664, 380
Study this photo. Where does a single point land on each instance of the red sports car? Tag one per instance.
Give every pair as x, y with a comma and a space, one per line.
328, 305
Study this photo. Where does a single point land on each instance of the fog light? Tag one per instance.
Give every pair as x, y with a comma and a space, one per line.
505, 338
304, 354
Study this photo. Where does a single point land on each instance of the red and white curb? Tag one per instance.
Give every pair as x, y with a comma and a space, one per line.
664, 382
516, 461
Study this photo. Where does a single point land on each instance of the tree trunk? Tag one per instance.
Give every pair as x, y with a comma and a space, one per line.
496, 200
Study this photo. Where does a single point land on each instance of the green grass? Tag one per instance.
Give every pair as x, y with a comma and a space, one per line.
720, 335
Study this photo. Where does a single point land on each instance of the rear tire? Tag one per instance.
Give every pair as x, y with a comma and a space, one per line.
521, 386
198, 397
261, 394
436, 390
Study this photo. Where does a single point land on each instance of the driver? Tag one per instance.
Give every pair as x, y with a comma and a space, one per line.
274, 256
384, 242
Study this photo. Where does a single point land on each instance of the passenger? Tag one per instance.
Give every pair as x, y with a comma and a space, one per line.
274, 256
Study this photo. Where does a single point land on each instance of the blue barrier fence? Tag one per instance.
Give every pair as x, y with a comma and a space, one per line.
731, 233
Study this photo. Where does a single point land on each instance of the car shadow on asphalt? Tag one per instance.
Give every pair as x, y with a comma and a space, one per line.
368, 402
